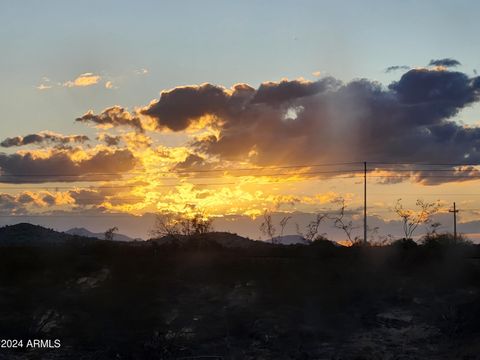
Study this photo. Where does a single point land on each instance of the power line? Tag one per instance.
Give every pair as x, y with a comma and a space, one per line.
428, 194
143, 174
425, 163
76, 215
177, 178
194, 171
351, 172
251, 169
230, 172
428, 170
111, 187
426, 176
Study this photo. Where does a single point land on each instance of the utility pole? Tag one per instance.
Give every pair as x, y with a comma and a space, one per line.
454, 211
365, 202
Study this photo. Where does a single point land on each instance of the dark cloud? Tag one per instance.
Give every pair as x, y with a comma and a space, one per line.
448, 90
8, 203
178, 108
458, 174
285, 91
87, 197
298, 121
193, 162
49, 199
16, 204
59, 166
113, 116
42, 138
25, 198
446, 62
396, 68
109, 139
97, 196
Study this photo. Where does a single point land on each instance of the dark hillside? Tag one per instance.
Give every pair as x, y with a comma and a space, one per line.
34, 235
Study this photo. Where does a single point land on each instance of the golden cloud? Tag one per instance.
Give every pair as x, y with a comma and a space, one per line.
83, 80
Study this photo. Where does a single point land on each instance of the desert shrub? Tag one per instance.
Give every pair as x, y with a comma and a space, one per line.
444, 240
404, 244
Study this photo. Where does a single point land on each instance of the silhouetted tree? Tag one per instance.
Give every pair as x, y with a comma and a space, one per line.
340, 223
266, 227
283, 223
110, 233
311, 233
373, 237
199, 224
412, 219
175, 225
432, 228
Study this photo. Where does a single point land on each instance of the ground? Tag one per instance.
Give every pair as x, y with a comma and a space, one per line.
201, 301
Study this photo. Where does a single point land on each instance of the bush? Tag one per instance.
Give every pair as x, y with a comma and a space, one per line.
444, 240
404, 244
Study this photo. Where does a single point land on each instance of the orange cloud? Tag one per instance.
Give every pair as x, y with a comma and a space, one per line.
83, 80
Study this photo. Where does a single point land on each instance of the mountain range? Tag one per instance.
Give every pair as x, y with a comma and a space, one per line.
101, 236
28, 234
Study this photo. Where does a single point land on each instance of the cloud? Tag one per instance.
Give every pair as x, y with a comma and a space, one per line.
436, 94
316, 73
87, 197
446, 62
181, 107
178, 108
113, 116
44, 137
26, 201
396, 68
83, 80
103, 197
142, 71
137, 140
9, 204
62, 166
44, 87
299, 121
109, 139
275, 93
192, 162
45, 84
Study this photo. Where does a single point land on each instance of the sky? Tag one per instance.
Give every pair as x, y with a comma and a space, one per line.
123, 108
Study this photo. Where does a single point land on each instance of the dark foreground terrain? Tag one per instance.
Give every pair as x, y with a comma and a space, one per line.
202, 300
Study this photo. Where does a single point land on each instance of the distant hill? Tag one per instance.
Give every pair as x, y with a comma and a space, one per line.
229, 240
224, 239
290, 240
35, 235
87, 233
28, 234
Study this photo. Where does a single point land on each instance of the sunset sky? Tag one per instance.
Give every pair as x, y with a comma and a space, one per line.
114, 111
